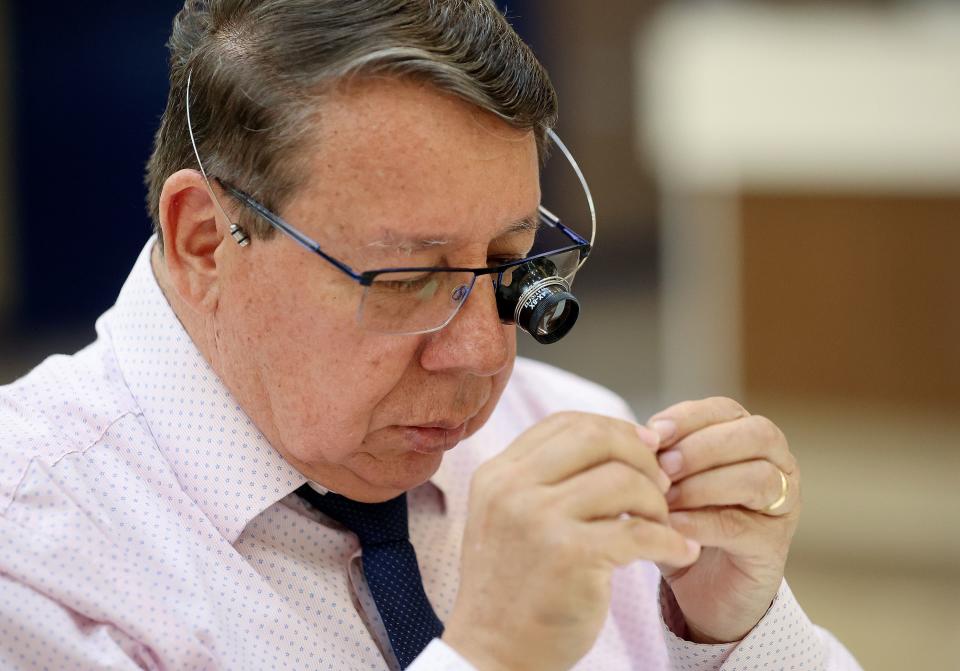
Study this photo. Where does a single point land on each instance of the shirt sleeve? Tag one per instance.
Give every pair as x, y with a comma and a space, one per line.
438, 656
784, 639
38, 633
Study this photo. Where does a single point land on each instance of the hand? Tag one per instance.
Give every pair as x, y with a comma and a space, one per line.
545, 529
724, 464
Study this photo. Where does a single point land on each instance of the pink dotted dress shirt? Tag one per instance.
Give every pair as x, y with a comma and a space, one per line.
145, 523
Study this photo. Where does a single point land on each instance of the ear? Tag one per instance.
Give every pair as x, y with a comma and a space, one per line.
192, 233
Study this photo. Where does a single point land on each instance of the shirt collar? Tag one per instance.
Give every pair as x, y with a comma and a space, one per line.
443, 479
222, 461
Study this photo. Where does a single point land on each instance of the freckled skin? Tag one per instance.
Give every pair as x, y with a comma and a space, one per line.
283, 335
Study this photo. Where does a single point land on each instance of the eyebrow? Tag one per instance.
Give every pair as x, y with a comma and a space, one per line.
410, 245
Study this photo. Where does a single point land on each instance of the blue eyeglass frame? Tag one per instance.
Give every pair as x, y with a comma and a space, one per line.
366, 278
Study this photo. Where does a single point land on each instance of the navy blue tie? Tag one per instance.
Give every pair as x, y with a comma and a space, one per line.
390, 566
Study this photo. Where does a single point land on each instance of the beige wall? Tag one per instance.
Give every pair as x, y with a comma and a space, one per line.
809, 161
852, 295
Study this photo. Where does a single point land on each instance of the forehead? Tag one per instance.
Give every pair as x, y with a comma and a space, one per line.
398, 160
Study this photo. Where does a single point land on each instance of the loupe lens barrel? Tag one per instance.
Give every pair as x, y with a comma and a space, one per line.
552, 318
539, 302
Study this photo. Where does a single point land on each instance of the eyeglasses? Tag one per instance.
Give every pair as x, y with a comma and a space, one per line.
532, 292
409, 301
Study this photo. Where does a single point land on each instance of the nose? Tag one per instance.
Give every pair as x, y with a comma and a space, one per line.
475, 341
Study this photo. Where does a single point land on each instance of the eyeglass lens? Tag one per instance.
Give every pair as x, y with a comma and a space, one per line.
418, 302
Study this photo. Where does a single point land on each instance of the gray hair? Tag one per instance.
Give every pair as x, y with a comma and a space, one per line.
259, 68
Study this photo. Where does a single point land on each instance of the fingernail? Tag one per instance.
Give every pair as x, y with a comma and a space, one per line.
671, 461
679, 519
693, 546
649, 437
664, 481
665, 428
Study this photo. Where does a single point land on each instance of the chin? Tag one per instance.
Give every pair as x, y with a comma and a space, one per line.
414, 470
382, 480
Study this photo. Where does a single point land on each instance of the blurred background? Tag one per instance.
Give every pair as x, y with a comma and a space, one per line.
778, 186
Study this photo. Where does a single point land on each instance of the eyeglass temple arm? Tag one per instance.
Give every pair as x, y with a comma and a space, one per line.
586, 190
552, 220
289, 230
242, 238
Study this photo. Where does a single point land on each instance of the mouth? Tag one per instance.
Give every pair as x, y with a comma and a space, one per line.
435, 438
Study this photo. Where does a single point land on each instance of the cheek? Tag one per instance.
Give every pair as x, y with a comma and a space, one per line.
497, 384
301, 363
327, 397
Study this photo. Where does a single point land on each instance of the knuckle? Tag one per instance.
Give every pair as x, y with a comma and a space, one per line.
632, 489
568, 418
482, 482
492, 480
793, 466
726, 406
661, 511
795, 491
643, 532
677, 543
733, 522
736, 407
593, 435
684, 407
484, 473
620, 475
645, 496
595, 427
766, 431
642, 463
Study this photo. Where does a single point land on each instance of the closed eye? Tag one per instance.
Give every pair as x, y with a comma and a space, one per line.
495, 261
402, 282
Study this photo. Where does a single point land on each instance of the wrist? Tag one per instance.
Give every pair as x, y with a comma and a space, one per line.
729, 635
694, 635
684, 628
471, 645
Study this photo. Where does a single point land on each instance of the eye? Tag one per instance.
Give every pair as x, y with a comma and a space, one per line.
404, 282
495, 261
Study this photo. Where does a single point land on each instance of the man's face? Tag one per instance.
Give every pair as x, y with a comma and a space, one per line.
402, 176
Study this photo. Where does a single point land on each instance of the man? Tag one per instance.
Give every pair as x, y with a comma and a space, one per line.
227, 476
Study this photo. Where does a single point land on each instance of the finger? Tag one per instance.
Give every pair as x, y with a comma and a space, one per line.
734, 530
609, 490
682, 419
751, 484
752, 437
540, 433
623, 541
546, 430
582, 441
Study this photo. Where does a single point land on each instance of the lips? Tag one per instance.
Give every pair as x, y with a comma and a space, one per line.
435, 438
447, 425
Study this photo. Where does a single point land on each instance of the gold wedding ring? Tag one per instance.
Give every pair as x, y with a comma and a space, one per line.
784, 490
